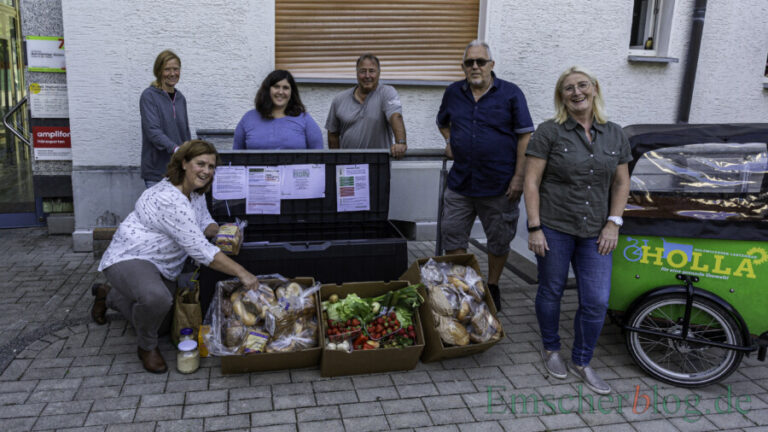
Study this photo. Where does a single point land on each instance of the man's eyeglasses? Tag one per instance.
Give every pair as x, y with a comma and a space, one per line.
582, 86
480, 62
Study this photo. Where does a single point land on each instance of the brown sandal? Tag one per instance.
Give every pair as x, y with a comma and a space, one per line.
99, 309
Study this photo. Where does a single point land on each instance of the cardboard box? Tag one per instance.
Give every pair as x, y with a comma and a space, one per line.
276, 361
434, 350
335, 363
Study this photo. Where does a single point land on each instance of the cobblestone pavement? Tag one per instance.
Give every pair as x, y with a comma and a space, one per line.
60, 372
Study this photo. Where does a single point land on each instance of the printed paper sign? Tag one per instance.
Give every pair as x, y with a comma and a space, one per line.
263, 190
52, 143
46, 54
48, 100
229, 183
303, 181
352, 192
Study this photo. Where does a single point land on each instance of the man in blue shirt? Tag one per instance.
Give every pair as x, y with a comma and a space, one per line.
486, 126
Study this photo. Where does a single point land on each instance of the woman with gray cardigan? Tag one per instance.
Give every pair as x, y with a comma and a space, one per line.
164, 124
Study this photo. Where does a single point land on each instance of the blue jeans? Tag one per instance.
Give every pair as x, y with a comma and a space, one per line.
150, 183
593, 275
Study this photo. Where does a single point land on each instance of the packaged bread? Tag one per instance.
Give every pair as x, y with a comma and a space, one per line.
230, 237
451, 331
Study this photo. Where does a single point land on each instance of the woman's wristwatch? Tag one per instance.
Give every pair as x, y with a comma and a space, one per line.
534, 228
617, 220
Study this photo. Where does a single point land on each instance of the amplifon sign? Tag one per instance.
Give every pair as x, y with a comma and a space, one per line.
52, 143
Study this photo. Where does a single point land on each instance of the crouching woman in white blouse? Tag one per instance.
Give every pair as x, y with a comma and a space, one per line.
147, 253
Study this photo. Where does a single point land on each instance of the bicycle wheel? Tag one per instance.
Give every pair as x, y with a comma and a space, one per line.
684, 363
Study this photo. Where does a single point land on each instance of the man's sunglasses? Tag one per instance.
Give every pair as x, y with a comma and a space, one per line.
480, 62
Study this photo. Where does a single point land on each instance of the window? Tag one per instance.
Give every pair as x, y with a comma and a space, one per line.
414, 40
651, 26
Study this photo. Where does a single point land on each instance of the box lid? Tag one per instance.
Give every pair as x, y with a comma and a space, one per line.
319, 210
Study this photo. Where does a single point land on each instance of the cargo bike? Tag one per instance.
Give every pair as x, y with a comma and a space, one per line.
690, 271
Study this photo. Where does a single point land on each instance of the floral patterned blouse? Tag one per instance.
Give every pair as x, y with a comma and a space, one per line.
163, 229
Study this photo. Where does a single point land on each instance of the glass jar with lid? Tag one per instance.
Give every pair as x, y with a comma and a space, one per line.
186, 334
188, 358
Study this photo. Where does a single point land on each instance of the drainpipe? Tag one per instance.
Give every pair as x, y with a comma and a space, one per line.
694, 44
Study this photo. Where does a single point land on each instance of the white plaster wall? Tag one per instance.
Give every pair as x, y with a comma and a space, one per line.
729, 78
226, 48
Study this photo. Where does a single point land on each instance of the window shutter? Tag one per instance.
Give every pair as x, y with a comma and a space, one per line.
414, 40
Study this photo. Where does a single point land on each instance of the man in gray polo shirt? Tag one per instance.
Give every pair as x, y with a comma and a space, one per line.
366, 116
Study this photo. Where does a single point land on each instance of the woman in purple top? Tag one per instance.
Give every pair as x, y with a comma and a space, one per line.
280, 120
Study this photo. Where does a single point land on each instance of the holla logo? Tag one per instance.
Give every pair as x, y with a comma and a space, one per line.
686, 257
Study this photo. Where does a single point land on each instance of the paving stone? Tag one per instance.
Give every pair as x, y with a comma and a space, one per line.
277, 417
88, 371
133, 427
314, 414
333, 385
241, 406
450, 375
293, 401
455, 387
451, 416
165, 399
60, 421
276, 428
52, 395
250, 392
487, 426
103, 381
18, 386
229, 382
186, 386
205, 410
371, 381
269, 378
45, 373
336, 397
402, 406
231, 422
409, 420
158, 413
206, 396
443, 402
13, 398
305, 375
525, 424
18, 424
142, 389
417, 390
443, 428
374, 394
291, 389
71, 407
195, 425
366, 424
110, 417
25, 410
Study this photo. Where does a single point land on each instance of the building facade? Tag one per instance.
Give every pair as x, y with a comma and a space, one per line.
228, 47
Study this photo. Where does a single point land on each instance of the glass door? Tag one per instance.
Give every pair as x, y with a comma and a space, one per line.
17, 200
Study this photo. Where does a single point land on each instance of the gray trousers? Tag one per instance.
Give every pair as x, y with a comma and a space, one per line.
143, 296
